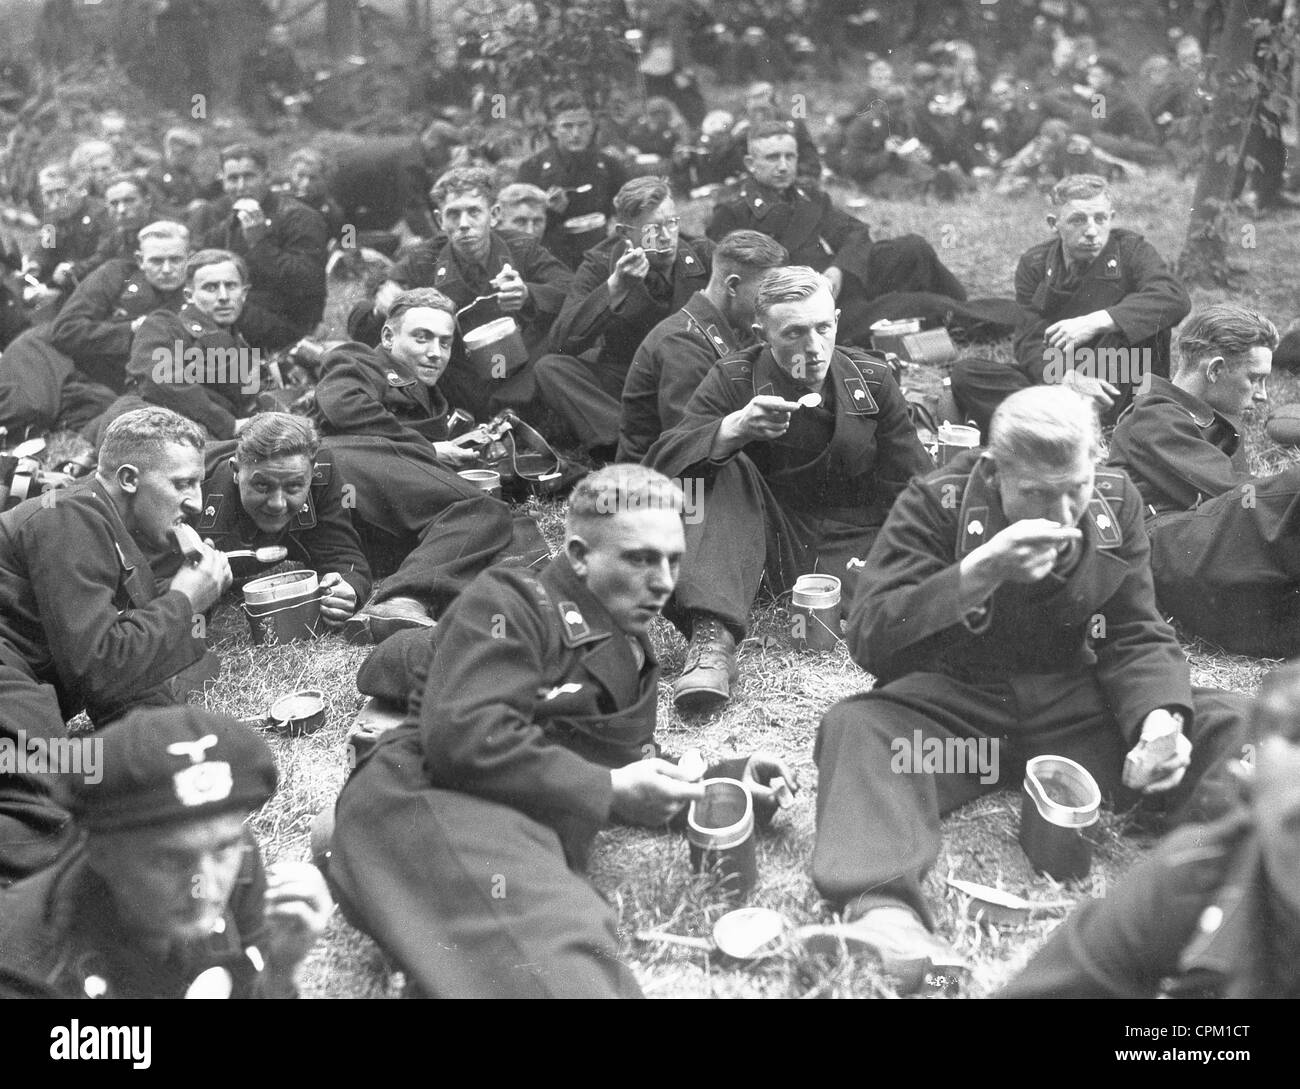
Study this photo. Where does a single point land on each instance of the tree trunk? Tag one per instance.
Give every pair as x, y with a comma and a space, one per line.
341, 28
1204, 259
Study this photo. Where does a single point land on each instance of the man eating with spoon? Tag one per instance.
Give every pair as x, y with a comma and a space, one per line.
789, 485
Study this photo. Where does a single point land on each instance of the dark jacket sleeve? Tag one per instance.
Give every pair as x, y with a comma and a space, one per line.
548, 278
478, 716
684, 449
1028, 345
1140, 665
1157, 299
640, 425
1163, 448
333, 544
152, 358
725, 219
900, 457
290, 258
349, 398
665, 373
586, 310
107, 656
910, 589
85, 330
1124, 945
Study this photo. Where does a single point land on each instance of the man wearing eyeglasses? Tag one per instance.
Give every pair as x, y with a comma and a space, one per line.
67, 372
626, 286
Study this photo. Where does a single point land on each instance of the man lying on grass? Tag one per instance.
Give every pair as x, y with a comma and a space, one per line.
460, 845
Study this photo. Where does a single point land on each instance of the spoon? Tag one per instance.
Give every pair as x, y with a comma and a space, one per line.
579, 189
999, 906
810, 400
481, 298
745, 934
265, 554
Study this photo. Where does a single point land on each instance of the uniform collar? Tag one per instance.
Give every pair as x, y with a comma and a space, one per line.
761, 199
687, 262
1105, 266
708, 320
1202, 414
592, 623
199, 323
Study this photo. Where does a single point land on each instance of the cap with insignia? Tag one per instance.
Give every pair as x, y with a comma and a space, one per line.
167, 765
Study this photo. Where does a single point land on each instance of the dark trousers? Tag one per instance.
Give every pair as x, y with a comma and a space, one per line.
35, 827
459, 542
1229, 571
586, 392
453, 529
746, 533
40, 386
878, 828
471, 897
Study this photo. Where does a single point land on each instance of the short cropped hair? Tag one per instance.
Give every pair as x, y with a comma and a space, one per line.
231, 152
1046, 427
788, 284
565, 102
1276, 710
521, 193
127, 179
616, 489
309, 155
478, 180
54, 170
138, 438
639, 196
203, 258
1080, 187
746, 252
766, 129
1227, 329
414, 299
276, 435
87, 150
163, 230
182, 136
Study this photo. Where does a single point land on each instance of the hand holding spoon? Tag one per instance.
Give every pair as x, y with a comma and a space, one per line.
265, 554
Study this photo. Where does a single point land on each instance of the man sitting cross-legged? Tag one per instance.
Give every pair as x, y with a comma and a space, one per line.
460, 844
1225, 545
1007, 602
787, 489
1097, 306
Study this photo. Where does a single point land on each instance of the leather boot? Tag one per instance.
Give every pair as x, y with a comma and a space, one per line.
710, 670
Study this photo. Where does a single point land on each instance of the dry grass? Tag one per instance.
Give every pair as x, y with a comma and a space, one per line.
776, 706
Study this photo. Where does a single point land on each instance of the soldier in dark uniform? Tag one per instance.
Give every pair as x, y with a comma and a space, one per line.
788, 489
1093, 287
283, 242
460, 845
762, 112
129, 208
87, 621
194, 361
1124, 127
64, 373
73, 224
172, 185
1214, 911
385, 423
166, 896
819, 235
1225, 545
625, 287
1007, 602
580, 181
274, 486
309, 175
678, 352
490, 274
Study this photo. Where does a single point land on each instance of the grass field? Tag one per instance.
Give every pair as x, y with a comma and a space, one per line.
776, 706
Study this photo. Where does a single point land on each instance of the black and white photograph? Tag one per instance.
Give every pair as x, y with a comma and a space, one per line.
679, 499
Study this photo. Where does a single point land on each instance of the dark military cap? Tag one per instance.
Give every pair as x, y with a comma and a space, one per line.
168, 765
